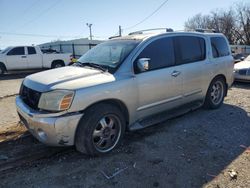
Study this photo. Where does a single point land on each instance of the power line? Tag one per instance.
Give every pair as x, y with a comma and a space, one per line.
41, 14
24, 12
39, 35
30, 7
48, 36
156, 10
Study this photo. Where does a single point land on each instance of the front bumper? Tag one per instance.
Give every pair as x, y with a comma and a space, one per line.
56, 129
239, 77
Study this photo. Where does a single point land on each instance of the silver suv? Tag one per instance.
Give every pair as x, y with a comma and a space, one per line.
126, 83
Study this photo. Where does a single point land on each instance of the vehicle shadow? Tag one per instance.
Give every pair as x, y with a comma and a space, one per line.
244, 85
188, 151
17, 75
192, 150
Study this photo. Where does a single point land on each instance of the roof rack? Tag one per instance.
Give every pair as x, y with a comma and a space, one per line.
201, 30
116, 36
142, 31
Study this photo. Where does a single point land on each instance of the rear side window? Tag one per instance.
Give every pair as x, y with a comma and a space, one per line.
219, 47
16, 51
160, 52
31, 50
190, 49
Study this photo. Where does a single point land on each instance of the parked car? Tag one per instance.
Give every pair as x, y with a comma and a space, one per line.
127, 83
239, 57
242, 70
30, 57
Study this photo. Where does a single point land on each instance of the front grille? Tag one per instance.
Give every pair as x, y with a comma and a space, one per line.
30, 97
243, 71
248, 72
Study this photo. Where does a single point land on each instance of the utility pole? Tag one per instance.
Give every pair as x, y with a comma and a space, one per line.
90, 30
120, 30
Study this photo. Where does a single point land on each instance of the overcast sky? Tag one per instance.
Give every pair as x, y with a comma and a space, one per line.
46, 20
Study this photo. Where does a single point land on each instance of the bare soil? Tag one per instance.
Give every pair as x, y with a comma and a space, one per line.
199, 149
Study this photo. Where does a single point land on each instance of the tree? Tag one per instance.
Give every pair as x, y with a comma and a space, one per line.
198, 21
234, 23
243, 15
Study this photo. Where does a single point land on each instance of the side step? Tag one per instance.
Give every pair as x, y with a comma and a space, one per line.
166, 115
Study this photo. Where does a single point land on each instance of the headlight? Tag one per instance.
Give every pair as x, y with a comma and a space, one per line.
236, 71
57, 100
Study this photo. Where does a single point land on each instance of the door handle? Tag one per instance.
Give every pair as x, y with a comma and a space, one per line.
23, 56
175, 73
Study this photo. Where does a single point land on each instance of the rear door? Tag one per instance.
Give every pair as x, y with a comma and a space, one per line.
16, 59
159, 88
33, 58
191, 58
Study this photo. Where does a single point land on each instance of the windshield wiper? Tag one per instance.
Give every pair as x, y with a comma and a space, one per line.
94, 65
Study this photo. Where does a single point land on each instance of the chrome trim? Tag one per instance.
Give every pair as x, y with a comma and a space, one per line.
175, 73
158, 103
193, 93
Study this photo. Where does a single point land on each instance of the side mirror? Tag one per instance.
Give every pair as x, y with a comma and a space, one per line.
143, 64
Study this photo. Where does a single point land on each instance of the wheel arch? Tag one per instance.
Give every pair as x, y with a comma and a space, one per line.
4, 66
222, 76
116, 102
57, 61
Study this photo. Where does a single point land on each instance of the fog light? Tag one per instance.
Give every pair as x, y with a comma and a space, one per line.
42, 135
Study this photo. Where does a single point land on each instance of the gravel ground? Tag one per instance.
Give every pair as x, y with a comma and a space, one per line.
199, 149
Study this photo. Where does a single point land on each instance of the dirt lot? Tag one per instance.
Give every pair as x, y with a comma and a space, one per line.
199, 149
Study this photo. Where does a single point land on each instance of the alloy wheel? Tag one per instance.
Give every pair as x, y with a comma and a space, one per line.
217, 92
107, 133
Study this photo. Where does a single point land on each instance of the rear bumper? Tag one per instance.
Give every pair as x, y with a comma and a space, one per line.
57, 129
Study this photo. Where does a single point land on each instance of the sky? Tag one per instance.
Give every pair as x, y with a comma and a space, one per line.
27, 22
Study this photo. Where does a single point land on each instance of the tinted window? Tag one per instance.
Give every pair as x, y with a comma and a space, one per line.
16, 51
160, 52
31, 50
190, 49
219, 47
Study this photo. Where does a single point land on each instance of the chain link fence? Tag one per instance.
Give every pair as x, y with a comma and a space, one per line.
77, 50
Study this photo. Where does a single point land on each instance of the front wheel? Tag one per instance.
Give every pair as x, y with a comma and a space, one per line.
215, 94
2, 70
100, 130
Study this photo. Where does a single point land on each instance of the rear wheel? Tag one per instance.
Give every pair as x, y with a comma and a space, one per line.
57, 64
100, 130
216, 93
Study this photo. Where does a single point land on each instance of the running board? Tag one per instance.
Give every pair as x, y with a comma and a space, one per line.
166, 115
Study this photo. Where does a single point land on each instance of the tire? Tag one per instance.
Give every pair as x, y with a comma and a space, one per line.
100, 130
215, 93
57, 64
2, 69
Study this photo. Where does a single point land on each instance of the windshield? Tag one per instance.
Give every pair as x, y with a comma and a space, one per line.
5, 50
109, 54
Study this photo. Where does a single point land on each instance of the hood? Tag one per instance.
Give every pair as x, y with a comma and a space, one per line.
242, 65
69, 77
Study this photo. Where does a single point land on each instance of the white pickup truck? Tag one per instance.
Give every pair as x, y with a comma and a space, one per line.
30, 57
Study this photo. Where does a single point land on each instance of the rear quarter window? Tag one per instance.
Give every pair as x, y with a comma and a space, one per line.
219, 47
